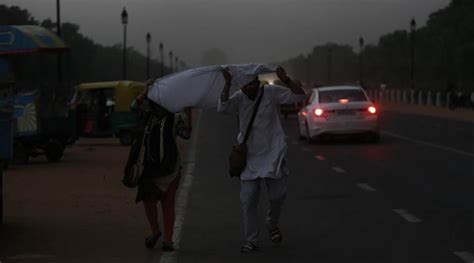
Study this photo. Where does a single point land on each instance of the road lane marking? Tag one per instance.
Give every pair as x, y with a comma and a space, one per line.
407, 216
366, 187
181, 199
465, 256
320, 157
441, 147
306, 149
338, 169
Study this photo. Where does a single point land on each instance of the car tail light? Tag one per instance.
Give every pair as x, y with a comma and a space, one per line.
372, 109
343, 101
304, 113
318, 112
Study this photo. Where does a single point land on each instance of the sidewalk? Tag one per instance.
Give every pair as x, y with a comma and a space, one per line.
459, 114
73, 211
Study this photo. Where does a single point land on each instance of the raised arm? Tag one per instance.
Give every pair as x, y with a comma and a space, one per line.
294, 86
228, 82
228, 104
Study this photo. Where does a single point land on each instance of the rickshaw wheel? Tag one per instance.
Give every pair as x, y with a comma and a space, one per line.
54, 151
126, 138
21, 153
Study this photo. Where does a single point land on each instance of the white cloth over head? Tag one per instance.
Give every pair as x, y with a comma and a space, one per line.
201, 87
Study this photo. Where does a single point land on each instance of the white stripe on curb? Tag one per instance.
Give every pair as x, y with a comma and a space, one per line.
407, 216
465, 256
182, 196
32, 256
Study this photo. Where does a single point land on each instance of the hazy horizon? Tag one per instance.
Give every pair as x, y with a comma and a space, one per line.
247, 31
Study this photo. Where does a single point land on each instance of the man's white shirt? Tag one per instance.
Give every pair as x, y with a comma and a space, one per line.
267, 142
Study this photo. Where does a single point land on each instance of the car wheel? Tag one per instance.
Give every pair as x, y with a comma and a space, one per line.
309, 139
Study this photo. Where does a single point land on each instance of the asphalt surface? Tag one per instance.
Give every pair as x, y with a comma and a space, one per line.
406, 199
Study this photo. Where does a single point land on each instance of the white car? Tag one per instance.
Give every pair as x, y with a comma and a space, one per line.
338, 110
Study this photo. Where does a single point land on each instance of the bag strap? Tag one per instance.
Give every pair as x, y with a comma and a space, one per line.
146, 134
254, 114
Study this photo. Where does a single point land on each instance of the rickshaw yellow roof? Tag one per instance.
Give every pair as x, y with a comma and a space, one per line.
110, 84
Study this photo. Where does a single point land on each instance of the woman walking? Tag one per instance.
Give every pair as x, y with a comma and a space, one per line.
161, 164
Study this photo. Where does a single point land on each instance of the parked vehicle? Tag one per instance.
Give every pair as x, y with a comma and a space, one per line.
34, 133
338, 110
103, 109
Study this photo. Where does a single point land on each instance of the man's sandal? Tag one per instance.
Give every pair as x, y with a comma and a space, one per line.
276, 236
249, 247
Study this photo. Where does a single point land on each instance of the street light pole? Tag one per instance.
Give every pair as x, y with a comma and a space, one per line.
176, 64
361, 62
171, 60
308, 69
124, 55
412, 53
329, 58
148, 41
58, 17
59, 56
162, 73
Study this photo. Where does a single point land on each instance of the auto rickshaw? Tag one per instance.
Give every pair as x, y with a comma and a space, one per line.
41, 123
103, 109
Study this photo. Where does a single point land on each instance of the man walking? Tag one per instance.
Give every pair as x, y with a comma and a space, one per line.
266, 159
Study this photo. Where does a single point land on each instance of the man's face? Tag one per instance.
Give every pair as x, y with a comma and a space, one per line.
251, 89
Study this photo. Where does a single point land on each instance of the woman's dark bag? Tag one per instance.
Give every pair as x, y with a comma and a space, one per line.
238, 155
135, 163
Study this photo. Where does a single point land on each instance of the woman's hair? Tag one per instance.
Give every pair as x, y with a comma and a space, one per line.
153, 108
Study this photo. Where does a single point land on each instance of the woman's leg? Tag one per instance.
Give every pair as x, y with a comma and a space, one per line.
151, 211
168, 204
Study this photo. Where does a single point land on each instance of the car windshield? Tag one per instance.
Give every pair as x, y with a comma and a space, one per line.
335, 95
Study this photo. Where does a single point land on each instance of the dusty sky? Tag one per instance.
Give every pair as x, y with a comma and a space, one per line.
247, 30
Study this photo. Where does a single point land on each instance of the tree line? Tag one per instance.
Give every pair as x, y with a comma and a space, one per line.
85, 61
443, 56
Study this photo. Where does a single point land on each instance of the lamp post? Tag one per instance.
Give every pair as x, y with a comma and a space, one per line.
176, 64
412, 53
58, 31
308, 69
124, 55
329, 58
148, 41
361, 61
162, 68
171, 60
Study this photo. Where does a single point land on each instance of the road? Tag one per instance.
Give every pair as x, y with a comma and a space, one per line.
406, 199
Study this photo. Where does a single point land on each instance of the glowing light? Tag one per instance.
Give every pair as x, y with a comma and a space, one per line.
343, 101
318, 112
372, 110
304, 113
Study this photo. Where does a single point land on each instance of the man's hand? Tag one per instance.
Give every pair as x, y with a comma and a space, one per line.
295, 86
281, 73
149, 82
227, 76
144, 93
228, 81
